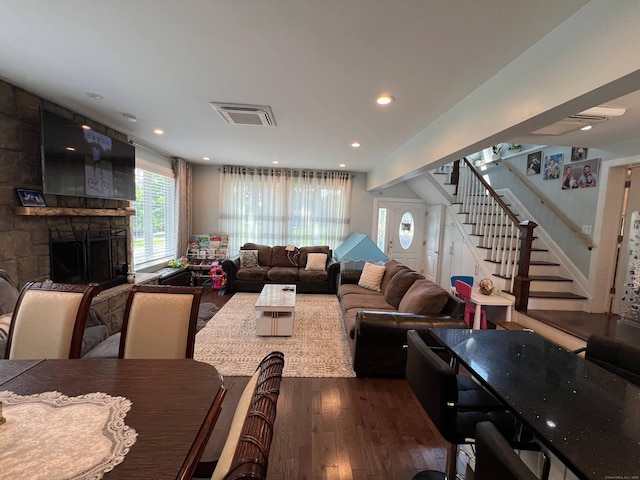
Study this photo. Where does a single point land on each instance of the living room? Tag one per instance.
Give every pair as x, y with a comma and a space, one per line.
495, 105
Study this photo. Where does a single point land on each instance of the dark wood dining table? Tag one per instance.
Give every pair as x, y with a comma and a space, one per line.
586, 416
170, 401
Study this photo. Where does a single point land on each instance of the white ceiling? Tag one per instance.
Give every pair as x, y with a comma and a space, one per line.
318, 64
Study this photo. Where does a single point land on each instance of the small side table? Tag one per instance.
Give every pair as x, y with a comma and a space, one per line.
488, 300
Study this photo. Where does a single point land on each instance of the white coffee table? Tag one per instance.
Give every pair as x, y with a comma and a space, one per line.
274, 308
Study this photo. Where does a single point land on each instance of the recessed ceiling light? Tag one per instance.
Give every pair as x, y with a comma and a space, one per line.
206, 158
356, 144
276, 162
130, 118
342, 165
71, 149
95, 96
586, 127
158, 131
385, 100
86, 127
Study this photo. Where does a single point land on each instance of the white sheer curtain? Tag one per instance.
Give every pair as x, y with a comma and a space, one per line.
279, 207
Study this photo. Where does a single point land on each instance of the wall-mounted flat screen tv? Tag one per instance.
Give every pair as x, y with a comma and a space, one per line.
78, 161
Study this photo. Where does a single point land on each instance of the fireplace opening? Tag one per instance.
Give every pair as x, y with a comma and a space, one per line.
89, 256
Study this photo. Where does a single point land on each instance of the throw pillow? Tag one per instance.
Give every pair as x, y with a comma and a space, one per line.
371, 276
316, 262
248, 258
399, 285
424, 298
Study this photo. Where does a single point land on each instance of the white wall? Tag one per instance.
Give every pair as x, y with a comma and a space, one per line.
206, 187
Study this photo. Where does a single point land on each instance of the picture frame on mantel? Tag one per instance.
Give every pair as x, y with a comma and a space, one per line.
31, 198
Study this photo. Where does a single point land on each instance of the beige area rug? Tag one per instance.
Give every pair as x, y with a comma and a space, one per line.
318, 347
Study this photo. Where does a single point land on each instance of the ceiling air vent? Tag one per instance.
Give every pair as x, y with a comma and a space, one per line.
239, 114
592, 116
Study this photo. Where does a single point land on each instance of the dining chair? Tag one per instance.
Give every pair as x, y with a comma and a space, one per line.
49, 320
615, 355
160, 322
453, 411
245, 454
464, 292
495, 458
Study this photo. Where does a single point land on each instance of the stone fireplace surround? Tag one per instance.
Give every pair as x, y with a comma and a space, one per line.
24, 231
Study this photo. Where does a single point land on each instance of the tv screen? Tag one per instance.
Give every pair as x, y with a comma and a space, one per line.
78, 161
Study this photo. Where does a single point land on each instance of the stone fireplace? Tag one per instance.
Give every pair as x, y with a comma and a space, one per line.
93, 255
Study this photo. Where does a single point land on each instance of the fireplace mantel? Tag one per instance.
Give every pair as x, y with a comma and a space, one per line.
75, 212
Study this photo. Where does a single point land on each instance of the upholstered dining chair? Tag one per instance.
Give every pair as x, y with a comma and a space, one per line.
464, 292
160, 322
245, 454
49, 320
496, 459
453, 411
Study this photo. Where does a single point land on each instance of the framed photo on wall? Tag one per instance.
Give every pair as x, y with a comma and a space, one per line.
31, 198
583, 174
534, 163
578, 153
552, 165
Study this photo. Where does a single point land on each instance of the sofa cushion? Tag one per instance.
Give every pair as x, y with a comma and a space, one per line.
312, 276
424, 298
316, 261
305, 251
280, 257
365, 302
390, 269
249, 258
5, 323
371, 276
349, 288
399, 284
8, 296
107, 349
92, 337
283, 274
252, 273
264, 253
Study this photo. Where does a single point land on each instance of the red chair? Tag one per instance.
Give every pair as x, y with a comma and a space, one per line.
464, 292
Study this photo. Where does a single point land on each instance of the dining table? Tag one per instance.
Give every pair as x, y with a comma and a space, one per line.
155, 410
586, 416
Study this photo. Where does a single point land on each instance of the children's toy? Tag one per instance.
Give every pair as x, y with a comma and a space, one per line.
218, 278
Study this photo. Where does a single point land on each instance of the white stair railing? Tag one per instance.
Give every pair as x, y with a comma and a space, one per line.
491, 219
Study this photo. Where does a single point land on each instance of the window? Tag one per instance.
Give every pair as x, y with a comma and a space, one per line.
279, 207
154, 236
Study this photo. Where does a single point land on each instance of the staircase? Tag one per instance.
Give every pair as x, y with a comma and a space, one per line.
494, 226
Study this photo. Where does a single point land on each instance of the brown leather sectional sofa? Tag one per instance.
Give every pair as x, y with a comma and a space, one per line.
377, 322
278, 265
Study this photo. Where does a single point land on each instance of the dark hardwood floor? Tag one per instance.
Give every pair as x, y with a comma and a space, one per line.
581, 324
342, 428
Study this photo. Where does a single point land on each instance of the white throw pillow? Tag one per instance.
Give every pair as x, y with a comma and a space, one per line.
371, 276
248, 258
316, 261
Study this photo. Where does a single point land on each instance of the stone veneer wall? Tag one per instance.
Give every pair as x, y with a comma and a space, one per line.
24, 240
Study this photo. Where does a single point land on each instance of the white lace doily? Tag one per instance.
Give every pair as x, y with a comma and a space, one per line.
52, 436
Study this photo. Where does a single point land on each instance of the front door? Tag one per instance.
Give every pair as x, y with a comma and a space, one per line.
400, 231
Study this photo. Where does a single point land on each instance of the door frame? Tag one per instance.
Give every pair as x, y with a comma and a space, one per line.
419, 236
